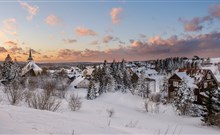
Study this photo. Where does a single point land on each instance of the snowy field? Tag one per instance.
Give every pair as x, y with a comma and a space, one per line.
92, 118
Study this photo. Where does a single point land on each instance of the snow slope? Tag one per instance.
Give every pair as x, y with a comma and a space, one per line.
129, 118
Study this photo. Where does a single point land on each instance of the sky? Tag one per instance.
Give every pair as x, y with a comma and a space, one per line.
95, 30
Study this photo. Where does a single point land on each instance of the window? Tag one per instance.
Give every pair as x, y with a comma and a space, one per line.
208, 76
205, 84
195, 98
172, 94
175, 84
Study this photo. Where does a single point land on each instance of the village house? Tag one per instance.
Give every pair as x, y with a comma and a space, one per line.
199, 80
31, 68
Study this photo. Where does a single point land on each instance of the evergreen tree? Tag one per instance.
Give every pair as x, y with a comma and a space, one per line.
134, 81
111, 84
92, 91
164, 87
126, 81
15, 69
184, 99
123, 66
211, 105
7, 68
143, 88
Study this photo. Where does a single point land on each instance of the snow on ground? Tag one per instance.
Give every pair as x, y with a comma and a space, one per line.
129, 118
214, 60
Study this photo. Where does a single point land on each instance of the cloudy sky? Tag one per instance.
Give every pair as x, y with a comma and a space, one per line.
94, 30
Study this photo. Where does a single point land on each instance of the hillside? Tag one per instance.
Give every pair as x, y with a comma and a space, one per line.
129, 118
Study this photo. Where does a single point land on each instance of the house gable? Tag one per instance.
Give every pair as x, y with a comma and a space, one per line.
173, 82
208, 81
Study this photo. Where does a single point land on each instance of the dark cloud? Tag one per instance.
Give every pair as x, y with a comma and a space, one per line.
66, 53
15, 50
3, 50
107, 39
96, 42
46, 56
69, 41
196, 23
142, 36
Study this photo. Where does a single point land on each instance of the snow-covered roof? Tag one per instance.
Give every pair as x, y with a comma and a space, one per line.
189, 80
89, 70
31, 65
83, 84
150, 71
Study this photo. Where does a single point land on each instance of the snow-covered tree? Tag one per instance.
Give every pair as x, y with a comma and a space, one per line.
134, 82
126, 81
92, 91
7, 68
143, 87
184, 98
15, 69
164, 87
211, 105
111, 84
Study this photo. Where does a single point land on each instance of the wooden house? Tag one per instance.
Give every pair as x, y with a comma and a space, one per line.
199, 80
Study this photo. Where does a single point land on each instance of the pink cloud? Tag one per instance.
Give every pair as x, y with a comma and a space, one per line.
32, 10
136, 43
9, 24
157, 40
215, 11
53, 20
116, 15
204, 45
82, 31
10, 43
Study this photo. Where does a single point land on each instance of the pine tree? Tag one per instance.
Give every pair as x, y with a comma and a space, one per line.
126, 81
140, 86
183, 99
15, 69
92, 91
134, 81
111, 84
211, 105
164, 87
7, 68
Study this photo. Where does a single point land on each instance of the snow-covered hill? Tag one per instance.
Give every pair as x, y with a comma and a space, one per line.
129, 118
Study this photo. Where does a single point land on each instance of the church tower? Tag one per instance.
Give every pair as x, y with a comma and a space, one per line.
30, 56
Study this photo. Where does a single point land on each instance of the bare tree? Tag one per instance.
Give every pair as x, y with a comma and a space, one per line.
44, 101
14, 92
62, 88
75, 102
49, 86
32, 83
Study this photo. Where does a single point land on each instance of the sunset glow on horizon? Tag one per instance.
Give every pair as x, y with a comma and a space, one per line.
92, 31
